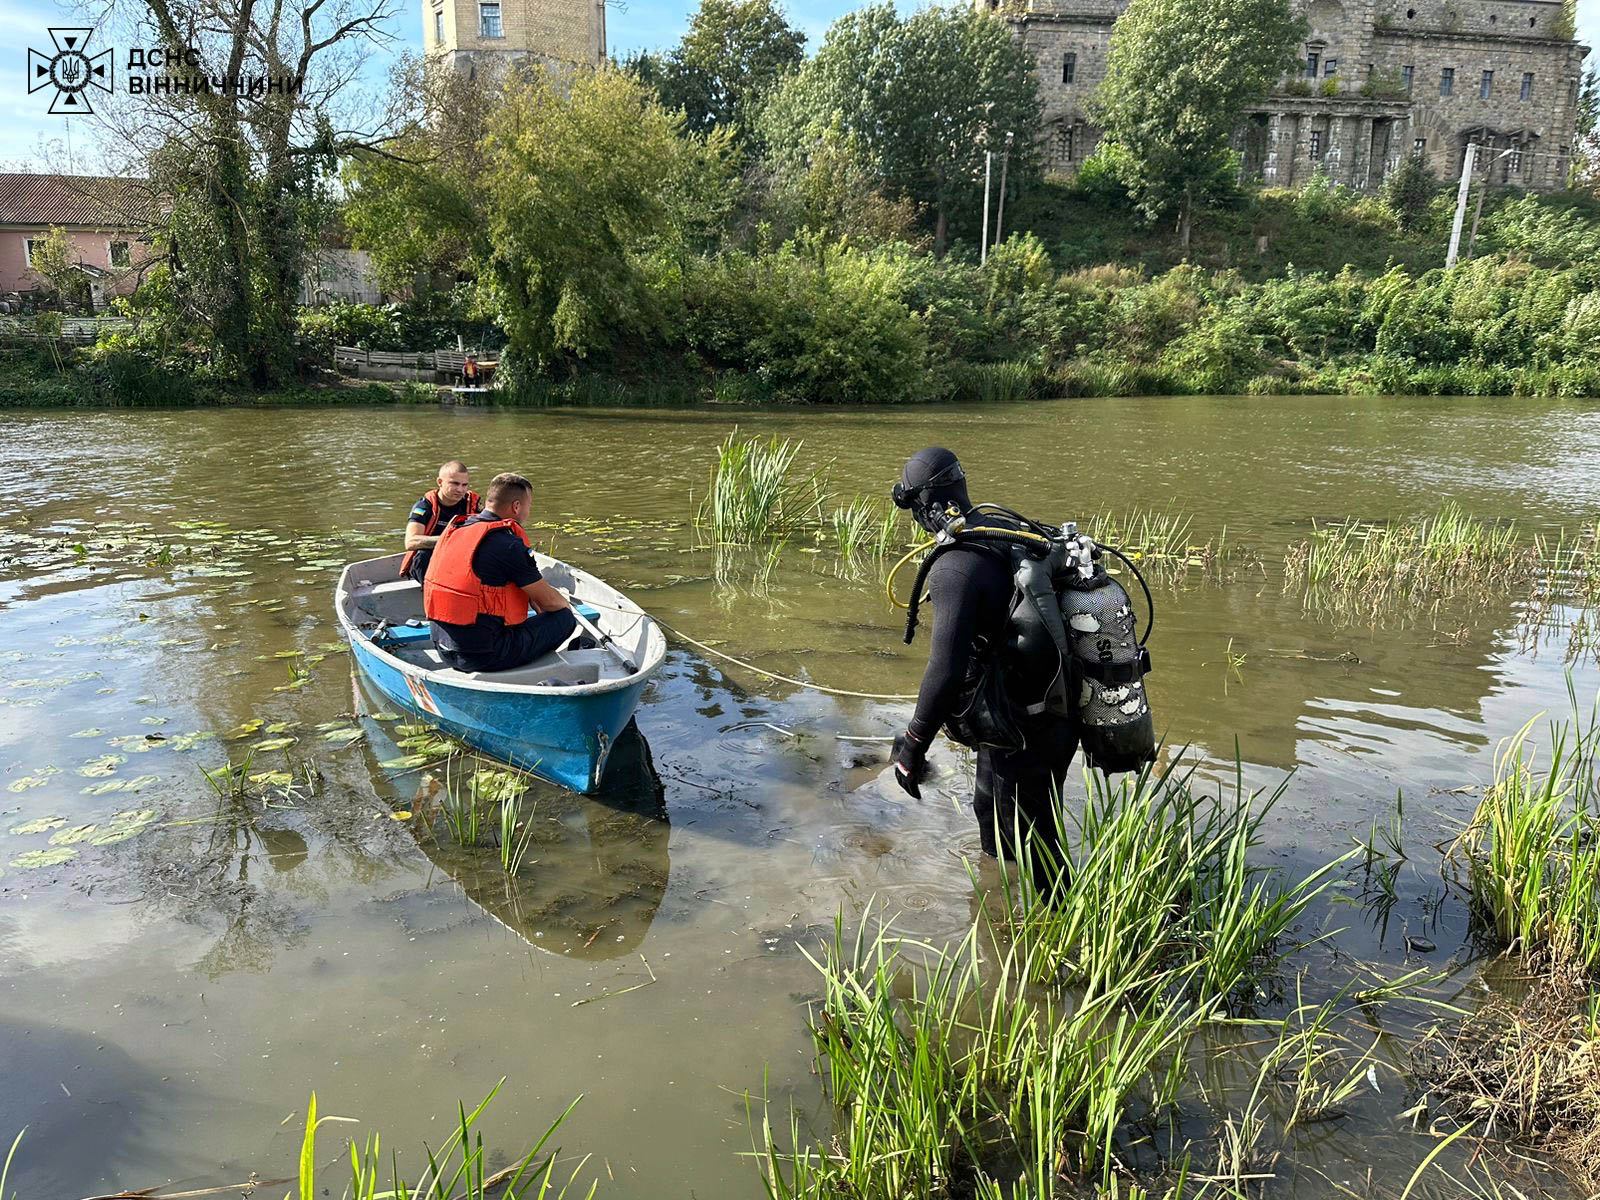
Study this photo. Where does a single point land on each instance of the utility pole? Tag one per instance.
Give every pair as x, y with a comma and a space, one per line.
1000, 215
1477, 209
983, 239
1461, 204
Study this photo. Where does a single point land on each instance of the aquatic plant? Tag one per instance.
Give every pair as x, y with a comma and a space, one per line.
513, 844
1356, 569
1157, 878
1532, 847
1012, 1059
755, 495
458, 1170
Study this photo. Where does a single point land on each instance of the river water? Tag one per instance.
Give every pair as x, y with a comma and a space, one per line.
171, 995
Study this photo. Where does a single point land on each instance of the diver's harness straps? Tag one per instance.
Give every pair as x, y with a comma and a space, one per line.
1037, 560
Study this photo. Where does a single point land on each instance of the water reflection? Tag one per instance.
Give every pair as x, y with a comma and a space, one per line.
596, 867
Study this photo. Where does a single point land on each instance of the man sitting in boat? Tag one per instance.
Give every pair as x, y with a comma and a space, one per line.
491, 609
447, 501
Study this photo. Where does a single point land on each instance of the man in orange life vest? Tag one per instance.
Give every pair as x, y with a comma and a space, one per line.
491, 609
450, 499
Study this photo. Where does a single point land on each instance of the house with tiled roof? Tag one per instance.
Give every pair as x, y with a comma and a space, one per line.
104, 220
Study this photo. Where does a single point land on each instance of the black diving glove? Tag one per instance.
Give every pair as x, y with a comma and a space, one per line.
910, 764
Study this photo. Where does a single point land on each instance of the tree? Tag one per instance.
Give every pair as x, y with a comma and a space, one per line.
918, 100
417, 205
1586, 163
734, 54
587, 196
239, 177
1407, 192
1178, 78
56, 259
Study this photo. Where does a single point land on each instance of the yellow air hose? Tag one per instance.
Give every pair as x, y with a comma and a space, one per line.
888, 583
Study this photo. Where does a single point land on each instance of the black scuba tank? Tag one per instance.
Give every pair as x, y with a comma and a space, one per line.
1115, 726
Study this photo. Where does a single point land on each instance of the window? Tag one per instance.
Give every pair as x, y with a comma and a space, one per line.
1406, 76
438, 26
1069, 67
489, 21
1066, 145
1447, 81
30, 247
117, 254
1316, 145
1486, 87
1331, 67
1419, 147
1515, 163
1527, 85
1313, 59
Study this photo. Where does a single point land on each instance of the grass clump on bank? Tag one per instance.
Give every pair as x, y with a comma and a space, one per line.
1050, 1038
1532, 849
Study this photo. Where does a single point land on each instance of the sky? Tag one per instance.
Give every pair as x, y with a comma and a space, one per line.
29, 137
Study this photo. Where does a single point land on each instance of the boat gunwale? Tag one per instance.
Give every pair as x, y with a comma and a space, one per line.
343, 599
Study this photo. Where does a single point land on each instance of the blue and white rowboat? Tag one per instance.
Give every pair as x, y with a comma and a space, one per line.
557, 717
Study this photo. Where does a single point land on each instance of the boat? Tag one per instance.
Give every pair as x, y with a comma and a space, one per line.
557, 718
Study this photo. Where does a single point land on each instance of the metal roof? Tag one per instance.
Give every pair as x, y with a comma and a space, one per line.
98, 201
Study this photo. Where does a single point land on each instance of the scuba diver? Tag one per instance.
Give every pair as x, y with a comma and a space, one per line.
1034, 650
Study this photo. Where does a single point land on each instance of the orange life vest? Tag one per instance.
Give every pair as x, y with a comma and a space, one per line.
452, 591
432, 526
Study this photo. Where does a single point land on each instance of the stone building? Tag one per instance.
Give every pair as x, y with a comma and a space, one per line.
558, 34
1378, 79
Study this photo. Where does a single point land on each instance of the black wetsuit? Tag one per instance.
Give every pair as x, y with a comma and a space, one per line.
971, 592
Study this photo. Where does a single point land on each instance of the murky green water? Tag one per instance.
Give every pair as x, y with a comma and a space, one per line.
168, 999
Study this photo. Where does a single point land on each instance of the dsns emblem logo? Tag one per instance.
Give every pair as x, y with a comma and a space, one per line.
70, 70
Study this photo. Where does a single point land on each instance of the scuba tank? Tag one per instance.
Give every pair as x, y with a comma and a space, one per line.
1108, 662
1070, 648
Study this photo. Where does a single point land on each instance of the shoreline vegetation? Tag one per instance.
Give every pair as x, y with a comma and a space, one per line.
1489, 327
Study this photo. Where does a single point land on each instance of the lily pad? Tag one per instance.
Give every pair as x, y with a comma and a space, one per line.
28, 782
343, 735
105, 786
124, 826
406, 762
278, 743
68, 837
244, 730
88, 733
99, 768
39, 825
44, 858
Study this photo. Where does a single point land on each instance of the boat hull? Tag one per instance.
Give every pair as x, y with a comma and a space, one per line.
562, 738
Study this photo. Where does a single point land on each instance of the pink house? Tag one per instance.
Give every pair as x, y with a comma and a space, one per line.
102, 218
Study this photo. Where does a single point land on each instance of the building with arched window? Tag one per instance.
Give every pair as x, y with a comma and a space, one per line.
1378, 80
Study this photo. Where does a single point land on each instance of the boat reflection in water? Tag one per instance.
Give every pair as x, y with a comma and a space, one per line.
595, 868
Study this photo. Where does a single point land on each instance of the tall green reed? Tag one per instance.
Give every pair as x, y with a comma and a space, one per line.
756, 494
1532, 847
458, 1170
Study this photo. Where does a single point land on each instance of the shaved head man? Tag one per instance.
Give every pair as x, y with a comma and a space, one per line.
449, 499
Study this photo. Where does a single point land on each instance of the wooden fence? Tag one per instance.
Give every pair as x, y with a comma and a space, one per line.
424, 363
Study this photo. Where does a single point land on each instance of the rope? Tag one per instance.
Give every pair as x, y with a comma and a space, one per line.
749, 666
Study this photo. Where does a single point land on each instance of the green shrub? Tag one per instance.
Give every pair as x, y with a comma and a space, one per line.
1407, 191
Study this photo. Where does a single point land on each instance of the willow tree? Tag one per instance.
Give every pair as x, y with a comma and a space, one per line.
1178, 79
592, 199
239, 176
